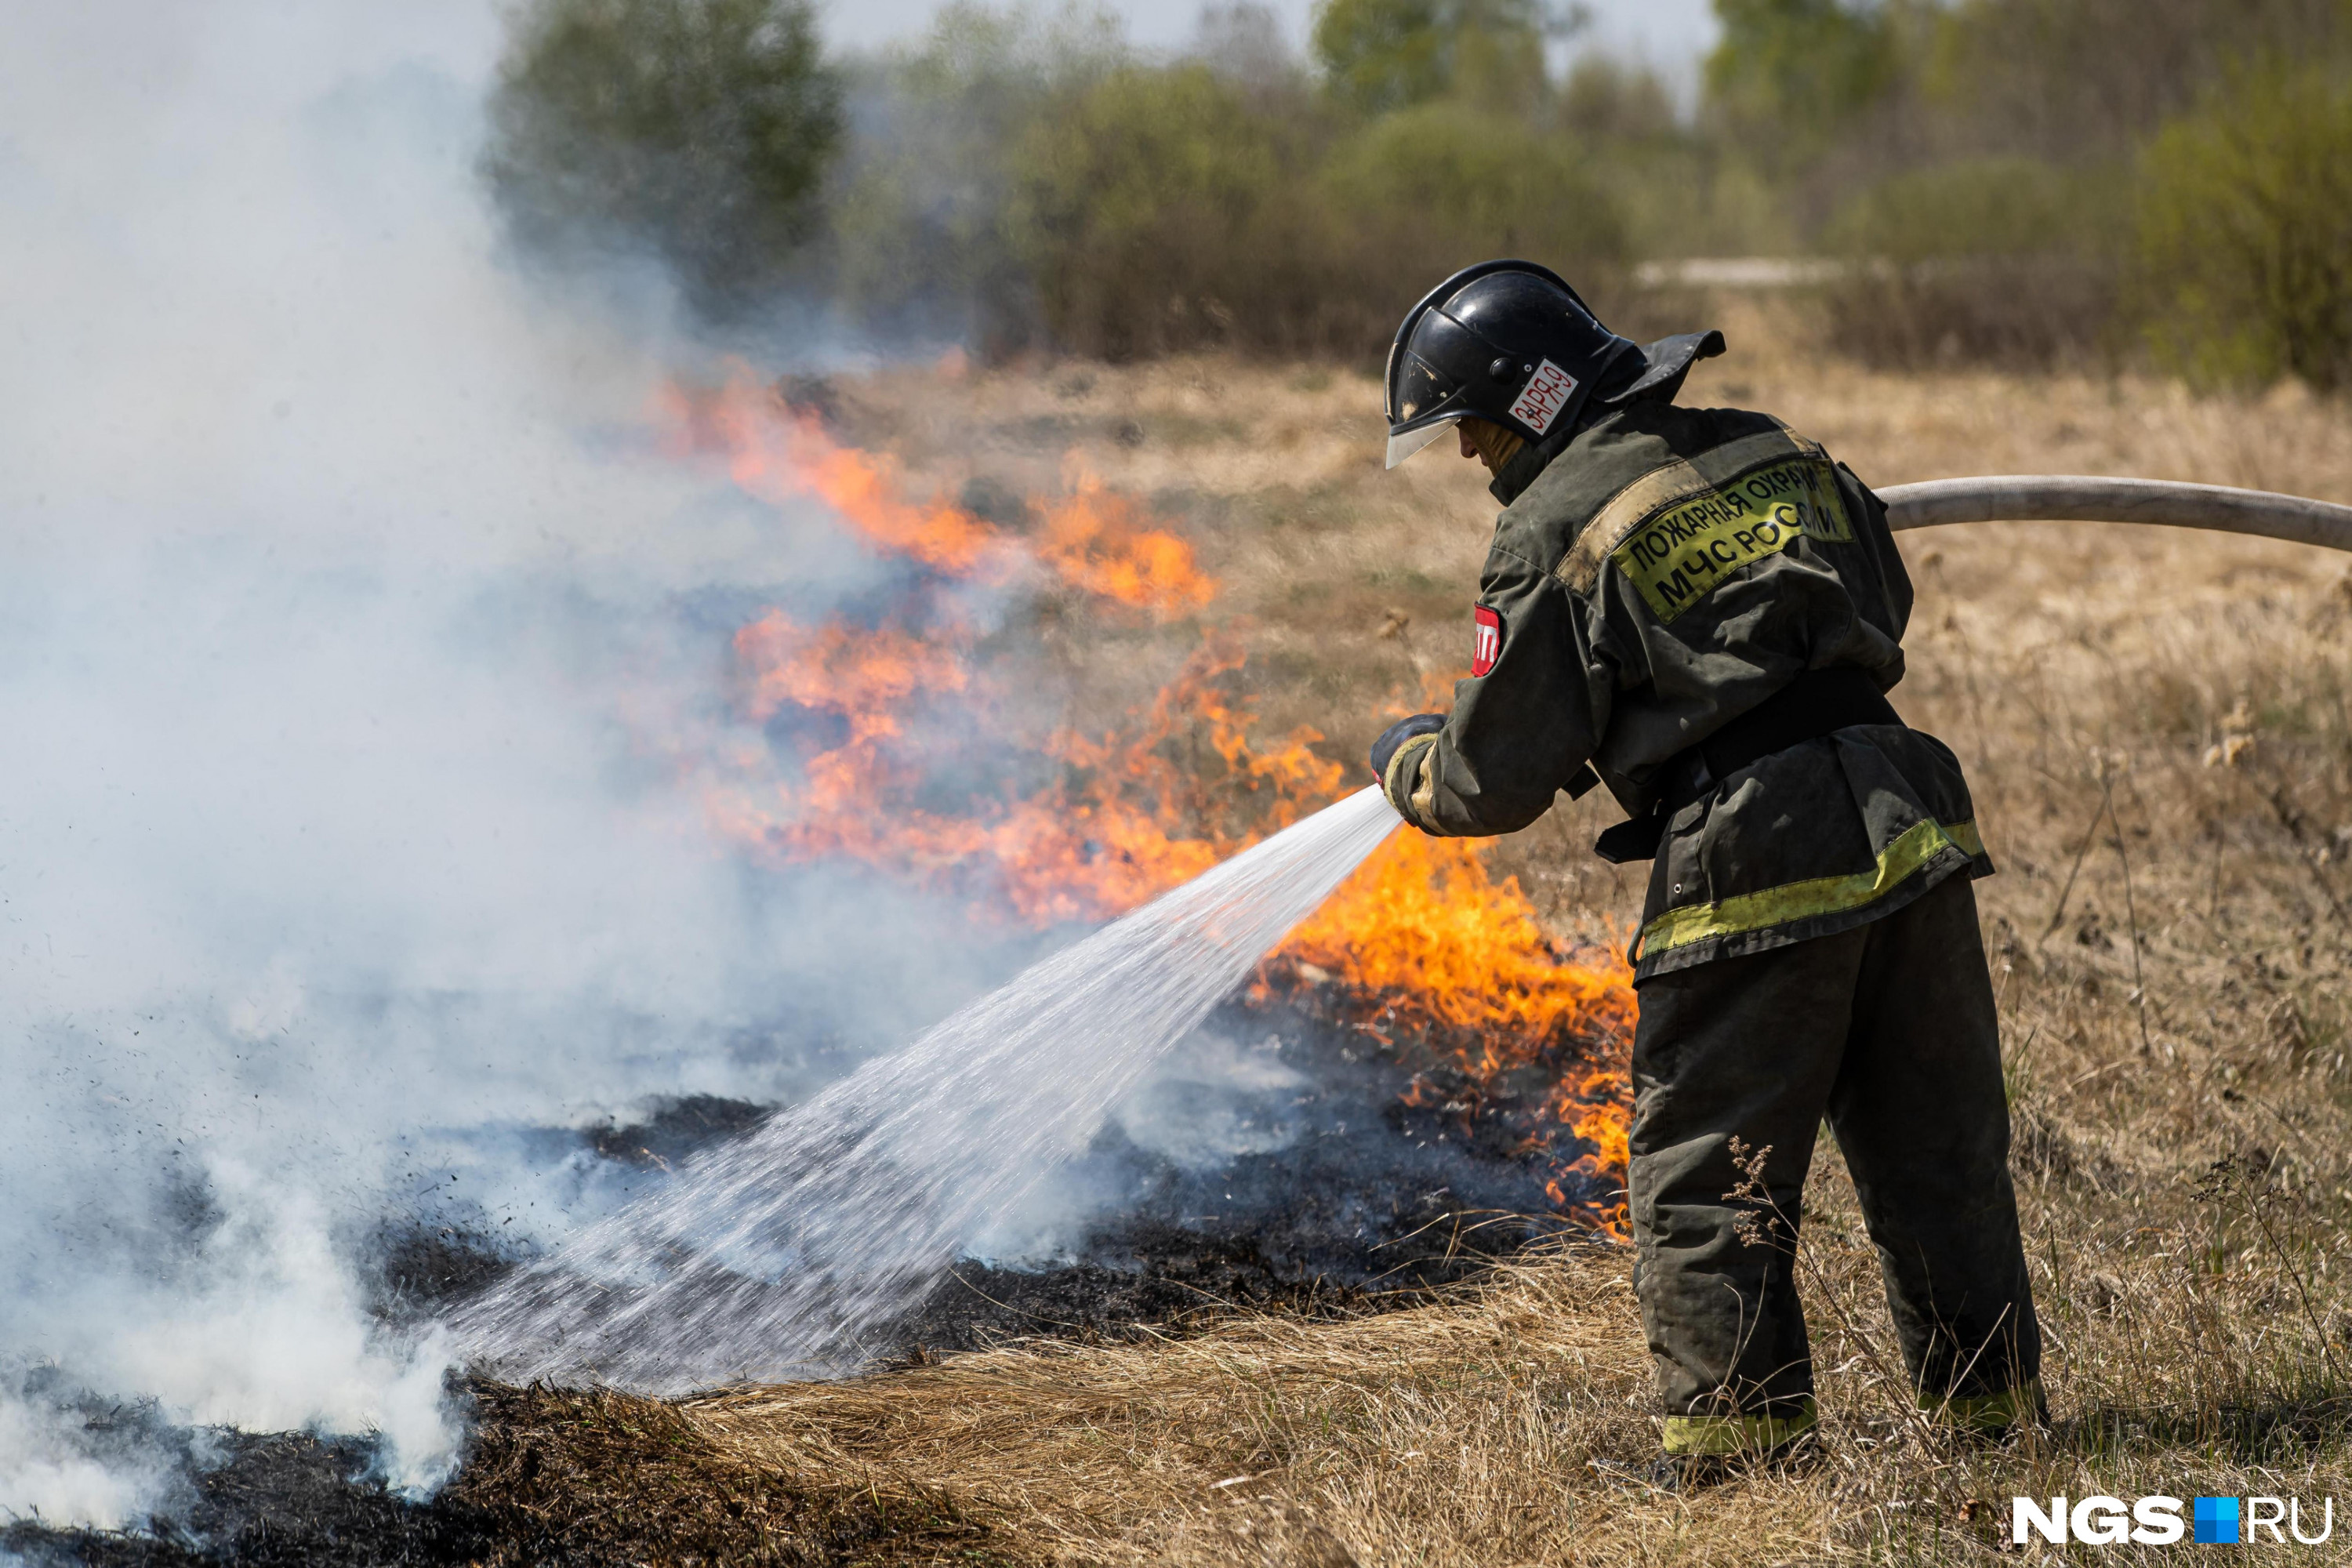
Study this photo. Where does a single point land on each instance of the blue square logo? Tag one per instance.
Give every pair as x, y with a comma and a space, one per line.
2216, 1520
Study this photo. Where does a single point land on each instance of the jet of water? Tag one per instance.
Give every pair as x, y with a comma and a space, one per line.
781, 1253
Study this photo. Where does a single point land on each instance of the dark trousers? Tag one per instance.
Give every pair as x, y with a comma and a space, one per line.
1889, 1031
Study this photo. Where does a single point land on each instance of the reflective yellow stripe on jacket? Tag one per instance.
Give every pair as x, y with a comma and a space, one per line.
1819, 896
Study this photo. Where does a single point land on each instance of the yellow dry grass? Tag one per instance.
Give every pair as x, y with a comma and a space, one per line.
2159, 730
1451, 1433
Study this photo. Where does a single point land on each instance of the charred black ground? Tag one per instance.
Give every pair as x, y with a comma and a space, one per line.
1341, 1175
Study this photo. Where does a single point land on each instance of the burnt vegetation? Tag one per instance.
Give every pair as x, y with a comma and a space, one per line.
1392, 1176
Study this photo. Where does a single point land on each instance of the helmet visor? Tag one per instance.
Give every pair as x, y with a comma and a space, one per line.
1423, 401
1412, 441
1418, 390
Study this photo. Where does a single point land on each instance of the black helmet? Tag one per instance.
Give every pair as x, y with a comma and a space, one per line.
1508, 342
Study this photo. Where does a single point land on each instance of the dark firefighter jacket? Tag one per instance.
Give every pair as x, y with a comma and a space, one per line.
1666, 572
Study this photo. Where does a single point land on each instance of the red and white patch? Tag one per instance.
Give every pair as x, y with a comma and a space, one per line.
1545, 394
1486, 642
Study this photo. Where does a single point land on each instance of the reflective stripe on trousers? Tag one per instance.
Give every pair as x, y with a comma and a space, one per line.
1820, 896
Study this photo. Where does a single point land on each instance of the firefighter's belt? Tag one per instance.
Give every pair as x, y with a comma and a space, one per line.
1817, 704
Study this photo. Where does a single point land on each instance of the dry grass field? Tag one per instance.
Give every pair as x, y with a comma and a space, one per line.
2159, 727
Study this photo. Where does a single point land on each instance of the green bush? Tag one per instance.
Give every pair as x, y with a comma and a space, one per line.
1447, 184
1022, 178
1168, 206
1150, 210
2005, 259
1981, 208
697, 129
2245, 231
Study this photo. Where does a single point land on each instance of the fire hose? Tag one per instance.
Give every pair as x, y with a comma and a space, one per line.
2075, 497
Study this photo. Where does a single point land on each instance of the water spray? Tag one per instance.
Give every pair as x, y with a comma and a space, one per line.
781, 1255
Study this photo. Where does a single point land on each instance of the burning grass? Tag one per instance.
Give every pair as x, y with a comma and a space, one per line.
923, 758
2159, 730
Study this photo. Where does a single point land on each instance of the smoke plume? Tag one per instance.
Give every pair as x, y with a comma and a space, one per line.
357, 654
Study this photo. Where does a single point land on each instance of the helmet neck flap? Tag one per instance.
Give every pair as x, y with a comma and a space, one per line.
1653, 374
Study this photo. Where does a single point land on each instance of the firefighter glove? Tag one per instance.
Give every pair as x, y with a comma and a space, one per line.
1384, 750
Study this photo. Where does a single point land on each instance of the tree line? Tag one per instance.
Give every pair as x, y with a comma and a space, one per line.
2007, 180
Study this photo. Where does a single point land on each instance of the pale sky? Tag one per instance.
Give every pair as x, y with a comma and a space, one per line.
1670, 34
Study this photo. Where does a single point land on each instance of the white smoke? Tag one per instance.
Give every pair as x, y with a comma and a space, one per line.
355, 651
781, 1252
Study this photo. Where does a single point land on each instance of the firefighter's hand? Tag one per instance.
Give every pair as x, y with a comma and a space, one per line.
1397, 734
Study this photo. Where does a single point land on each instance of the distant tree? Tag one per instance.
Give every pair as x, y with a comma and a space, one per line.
2072, 80
919, 229
1605, 100
1379, 56
1140, 207
697, 129
1244, 43
1790, 74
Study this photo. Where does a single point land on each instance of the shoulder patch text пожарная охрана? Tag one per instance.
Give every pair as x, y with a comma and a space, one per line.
1677, 557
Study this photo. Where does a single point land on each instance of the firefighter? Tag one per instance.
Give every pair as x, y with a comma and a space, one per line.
1702, 610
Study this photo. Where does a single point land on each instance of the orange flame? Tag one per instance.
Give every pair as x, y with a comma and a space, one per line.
867, 679
1423, 941
1089, 540
1092, 541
